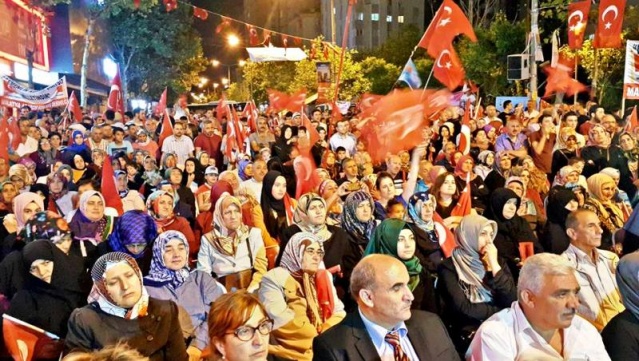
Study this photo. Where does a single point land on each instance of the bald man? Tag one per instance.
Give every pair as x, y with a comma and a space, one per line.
384, 327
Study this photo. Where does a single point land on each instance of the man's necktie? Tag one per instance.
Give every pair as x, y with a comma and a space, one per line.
393, 339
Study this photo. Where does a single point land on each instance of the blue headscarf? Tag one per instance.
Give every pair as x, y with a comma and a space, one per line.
415, 204
77, 148
362, 230
160, 275
132, 228
241, 168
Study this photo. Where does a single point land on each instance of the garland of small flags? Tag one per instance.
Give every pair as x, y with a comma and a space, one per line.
254, 40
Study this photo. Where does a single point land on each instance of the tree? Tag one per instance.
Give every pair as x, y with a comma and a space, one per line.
485, 60
479, 12
104, 9
398, 47
239, 92
156, 49
381, 74
269, 75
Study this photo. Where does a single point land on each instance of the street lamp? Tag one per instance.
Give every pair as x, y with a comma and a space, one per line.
215, 63
225, 81
233, 40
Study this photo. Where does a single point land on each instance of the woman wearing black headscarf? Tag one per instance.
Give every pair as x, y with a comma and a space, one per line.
561, 202
278, 207
512, 229
43, 302
284, 144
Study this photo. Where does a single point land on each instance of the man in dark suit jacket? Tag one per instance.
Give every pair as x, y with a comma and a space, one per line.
379, 283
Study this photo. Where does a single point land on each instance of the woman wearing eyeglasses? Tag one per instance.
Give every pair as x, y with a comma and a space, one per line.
239, 328
300, 298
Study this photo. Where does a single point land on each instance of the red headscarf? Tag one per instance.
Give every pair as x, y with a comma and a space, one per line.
458, 167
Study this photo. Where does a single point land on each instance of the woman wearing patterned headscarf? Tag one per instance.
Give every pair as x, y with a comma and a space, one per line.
232, 251
120, 310
299, 296
60, 197
133, 234
310, 216
475, 282
193, 291
358, 220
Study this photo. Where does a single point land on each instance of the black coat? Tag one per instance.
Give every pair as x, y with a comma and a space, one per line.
599, 158
554, 238
349, 340
503, 288
621, 337
157, 335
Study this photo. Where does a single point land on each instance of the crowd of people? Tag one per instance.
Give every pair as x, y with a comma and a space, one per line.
241, 254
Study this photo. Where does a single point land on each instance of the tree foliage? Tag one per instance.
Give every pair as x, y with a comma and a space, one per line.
156, 49
381, 74
398, 47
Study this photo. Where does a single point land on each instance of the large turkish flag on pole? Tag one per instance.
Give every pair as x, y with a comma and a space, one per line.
609, 23
577, 21
448, 68
116, 102
449, 21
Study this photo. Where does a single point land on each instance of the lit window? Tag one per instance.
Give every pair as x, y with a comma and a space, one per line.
360, 16
389, 18
400, 19
375, 16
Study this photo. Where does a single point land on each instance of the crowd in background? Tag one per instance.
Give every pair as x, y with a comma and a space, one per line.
245, 254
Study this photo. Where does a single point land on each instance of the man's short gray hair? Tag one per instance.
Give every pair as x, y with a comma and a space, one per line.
537, 267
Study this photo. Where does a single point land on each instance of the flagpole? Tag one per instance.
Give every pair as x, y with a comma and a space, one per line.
576, 65
432, 69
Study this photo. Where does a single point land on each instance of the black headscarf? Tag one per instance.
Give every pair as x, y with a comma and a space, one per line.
495, 210
270, 204
558, 198
281, 148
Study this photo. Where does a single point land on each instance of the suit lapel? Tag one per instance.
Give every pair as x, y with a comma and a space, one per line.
363, 342
418, 340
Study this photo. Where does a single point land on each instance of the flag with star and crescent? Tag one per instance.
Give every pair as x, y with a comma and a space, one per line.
577, 21
609, 23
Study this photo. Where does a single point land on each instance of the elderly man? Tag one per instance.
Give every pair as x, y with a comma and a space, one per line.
384, 327
513, 142
600, 301
543, 324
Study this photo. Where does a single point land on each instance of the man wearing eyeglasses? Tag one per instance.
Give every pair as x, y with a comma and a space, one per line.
384, 327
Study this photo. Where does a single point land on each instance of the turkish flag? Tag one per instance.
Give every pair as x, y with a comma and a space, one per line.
4, 139
200, 13
221, 109
16, 135
115, 102
367, 101
464, 204
307, 179
250, 113
109, 190
448, 244
394, 122
225, 22
463, 139
253, 38
448, 68
74, 107
170, 5
161, 107
560, 80
280, 101
609, 23
238, 129
167, 128
631, 124
449, 21
577, 21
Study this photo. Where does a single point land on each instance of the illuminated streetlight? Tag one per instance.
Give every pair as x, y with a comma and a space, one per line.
242, 63
215, 63
233, 40
215, 85
203, 80
225, 81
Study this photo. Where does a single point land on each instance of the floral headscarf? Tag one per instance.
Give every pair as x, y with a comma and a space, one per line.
152, 204
226, 241
159, 273
100, 294
363, 230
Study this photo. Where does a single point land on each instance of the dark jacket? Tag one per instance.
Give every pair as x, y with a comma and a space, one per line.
621, 337
349, 340
597, 158
157, 335
554, 238
466, 313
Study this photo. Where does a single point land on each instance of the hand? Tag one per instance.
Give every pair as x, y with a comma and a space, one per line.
342, 190
194, 353
10, 223
489, 254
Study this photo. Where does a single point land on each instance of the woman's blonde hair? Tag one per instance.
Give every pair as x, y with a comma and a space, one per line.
117, 352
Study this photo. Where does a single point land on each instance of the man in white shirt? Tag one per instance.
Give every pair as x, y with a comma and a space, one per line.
343, 138
254, 184
601, 301
179, 144
543, 324
27, 144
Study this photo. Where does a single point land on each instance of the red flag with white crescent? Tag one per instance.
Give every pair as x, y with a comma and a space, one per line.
463, 139
577, 21
4, 139
74, 107
448, 69
609, 24
464, 205
116, 102
167, 128
449, 21
109, 189
161, 107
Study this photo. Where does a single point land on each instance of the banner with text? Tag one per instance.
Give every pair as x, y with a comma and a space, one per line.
631, 73
323, 81
14, 95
